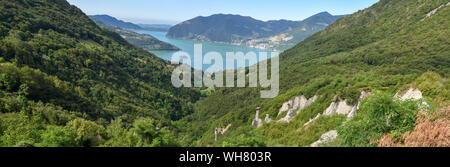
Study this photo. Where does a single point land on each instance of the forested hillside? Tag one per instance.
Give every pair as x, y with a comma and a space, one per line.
143, 41
385, 49
64, 81
228, 28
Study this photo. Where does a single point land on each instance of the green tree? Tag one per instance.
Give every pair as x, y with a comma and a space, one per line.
88, 132
56, 136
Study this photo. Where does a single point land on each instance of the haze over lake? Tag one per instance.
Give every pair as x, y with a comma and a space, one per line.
188, 47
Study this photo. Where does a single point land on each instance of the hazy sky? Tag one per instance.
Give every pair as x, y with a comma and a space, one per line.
175, 11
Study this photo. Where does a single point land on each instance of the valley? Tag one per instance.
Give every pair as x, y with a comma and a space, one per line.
375, 77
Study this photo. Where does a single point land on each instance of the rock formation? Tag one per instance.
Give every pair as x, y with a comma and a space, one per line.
268, 119
355, 109
341, 107
294, 106
338, 107
327, 137
257, 122
221, 131
410, 94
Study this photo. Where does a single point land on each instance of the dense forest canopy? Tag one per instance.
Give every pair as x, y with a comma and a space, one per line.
69, 82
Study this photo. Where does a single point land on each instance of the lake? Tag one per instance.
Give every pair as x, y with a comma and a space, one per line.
188, 47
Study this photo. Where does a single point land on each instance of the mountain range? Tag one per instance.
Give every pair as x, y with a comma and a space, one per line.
242, 30
128, 25
144, 41
228, 28
377, 77
115, 22
293, 36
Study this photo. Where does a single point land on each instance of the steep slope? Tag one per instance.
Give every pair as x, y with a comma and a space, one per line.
383, 48
228, 28
144, 41
291, 37
115, 22
64, 80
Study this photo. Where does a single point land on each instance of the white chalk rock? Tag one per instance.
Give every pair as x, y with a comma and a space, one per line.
410, 94
298, 104
257, 122
325, 138
268, 119
355, 109
338, 107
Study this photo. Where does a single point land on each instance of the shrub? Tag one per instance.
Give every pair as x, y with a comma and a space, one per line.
381, 114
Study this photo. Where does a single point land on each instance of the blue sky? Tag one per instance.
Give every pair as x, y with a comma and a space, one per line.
175, 11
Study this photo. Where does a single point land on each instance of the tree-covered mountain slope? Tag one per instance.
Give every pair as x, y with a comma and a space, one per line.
64, 81
144, 41
241, 30
293, 36
228, 28
384, 49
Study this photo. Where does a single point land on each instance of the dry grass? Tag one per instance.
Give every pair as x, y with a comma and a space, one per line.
432, 130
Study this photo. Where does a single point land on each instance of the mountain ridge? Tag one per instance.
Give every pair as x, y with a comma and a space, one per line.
245, 30
291, 37
115, 22
144, 41
227, 28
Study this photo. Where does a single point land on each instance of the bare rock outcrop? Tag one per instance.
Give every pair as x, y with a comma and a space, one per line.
431, 13
341, 107
325, 138
338, 107
268, 119
355, 109
221, 131
294, 106
410, 94
296, 103
257, 122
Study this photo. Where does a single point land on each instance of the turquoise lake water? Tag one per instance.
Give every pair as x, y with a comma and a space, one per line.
188, 47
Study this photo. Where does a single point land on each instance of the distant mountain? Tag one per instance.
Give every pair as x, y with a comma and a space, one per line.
241, 30
115, 22
229, 28
156, 27
291, 37
144, 41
